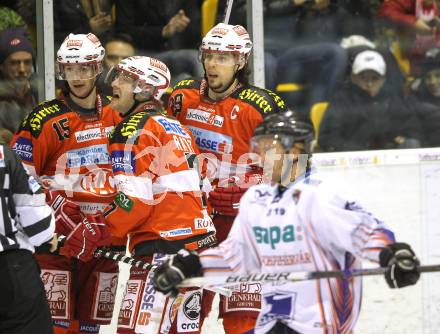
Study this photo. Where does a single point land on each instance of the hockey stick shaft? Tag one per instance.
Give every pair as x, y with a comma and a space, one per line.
290, 276
228, 10
116, 256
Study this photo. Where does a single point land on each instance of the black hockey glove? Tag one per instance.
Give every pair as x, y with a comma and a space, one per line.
401, 263
183, 265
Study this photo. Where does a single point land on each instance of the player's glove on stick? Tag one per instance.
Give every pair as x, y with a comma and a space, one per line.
67, 213
225, 198
182, 265
87, 236
401, 263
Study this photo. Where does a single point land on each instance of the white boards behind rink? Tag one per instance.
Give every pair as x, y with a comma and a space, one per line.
402, 188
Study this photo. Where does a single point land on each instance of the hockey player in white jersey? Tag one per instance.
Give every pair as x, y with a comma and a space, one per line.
297, 223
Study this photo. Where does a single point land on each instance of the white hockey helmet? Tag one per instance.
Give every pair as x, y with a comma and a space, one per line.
79, 57
150, 76
227, 38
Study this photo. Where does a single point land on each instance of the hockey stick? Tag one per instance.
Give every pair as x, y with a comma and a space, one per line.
116, 256
290, 276
228, 10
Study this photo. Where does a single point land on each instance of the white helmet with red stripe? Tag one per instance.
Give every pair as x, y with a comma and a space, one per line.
84, 50
227, 38
151, 75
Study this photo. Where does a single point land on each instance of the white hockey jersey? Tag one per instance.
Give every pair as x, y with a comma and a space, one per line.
304, 227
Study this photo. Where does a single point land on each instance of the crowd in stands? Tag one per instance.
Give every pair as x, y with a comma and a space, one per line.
367, 72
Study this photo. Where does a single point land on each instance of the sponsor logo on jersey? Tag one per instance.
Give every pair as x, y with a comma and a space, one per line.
96, 154
172, 126
280, 306
123, 161
245, 296
287, 260
107, 284
36, 120
57, 284
124, 202
88, 328
189, 321
176, 232
260, 100
212, 141
208, 241
151, 303
206, 117
92, 134
129, 301
23, 147
203, 223
274, 235
192, 306
131, 126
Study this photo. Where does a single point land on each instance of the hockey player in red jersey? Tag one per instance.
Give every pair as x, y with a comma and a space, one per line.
222, 111
64, 144
159, 203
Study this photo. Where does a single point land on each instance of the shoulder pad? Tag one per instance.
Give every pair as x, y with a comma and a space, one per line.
42, 113
127, 130
188, 83
263, 100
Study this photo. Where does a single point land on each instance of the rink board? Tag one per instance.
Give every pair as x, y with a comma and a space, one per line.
403, 189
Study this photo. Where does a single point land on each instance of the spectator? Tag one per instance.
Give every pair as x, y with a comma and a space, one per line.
17, 95
355, 44
117, 47
167, 30
363, 116
417, 18
425, 98
81, 17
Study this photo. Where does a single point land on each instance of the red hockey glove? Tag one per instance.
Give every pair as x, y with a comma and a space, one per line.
87, 236
225, 198
67, 213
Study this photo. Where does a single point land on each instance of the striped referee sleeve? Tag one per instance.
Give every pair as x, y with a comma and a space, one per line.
31, 211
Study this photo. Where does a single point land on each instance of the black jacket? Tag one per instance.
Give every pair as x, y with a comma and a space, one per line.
427, 109
355, 121
144, 20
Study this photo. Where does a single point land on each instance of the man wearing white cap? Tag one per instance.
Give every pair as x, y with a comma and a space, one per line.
365, 114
